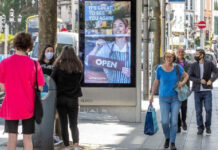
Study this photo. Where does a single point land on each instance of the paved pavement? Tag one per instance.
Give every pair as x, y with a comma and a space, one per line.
105, 132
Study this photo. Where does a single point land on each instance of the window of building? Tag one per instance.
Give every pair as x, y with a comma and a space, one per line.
216, 5
216, 25
191, 21
186, 4
209, 4
191, 4
205, 4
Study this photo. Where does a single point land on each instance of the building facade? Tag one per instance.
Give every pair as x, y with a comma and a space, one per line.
67, 11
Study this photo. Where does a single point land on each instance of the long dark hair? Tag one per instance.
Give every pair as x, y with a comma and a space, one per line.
68, 61
42, 56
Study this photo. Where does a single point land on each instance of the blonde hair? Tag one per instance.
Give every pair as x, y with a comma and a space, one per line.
169, 52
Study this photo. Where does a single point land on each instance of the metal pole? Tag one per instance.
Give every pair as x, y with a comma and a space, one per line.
73, 15
202, 18
146, 53
163, 12
6, 39
168, 27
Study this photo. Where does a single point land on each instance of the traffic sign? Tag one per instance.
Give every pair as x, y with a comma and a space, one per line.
201, 24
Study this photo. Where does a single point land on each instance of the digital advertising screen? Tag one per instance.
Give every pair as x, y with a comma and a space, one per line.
108, 42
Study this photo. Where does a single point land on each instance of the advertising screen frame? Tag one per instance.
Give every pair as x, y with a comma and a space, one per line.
132, 41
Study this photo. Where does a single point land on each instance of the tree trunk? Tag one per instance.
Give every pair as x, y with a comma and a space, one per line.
157, 35
47, 23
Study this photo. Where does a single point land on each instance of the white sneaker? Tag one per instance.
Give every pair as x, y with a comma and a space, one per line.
67, 148
76, 148
57, 140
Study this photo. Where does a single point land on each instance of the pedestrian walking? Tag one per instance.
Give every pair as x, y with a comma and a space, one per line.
46, 61
18, 80
185, 64
201, 74
166, 78
67, 74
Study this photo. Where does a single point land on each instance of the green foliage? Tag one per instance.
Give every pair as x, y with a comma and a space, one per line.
198, 42
23, 7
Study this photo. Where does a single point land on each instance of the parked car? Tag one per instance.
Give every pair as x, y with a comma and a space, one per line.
63, 38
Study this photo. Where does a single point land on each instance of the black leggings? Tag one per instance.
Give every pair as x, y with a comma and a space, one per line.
182, 117
68, 110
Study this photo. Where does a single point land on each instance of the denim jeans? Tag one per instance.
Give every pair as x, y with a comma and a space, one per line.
203, 98
169, 108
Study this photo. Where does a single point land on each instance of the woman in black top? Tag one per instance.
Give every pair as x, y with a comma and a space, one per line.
47, 59
67, 74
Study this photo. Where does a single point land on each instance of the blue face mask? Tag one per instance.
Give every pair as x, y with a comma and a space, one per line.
49, 55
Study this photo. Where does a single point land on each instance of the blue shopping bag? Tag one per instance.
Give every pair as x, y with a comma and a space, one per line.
151, 125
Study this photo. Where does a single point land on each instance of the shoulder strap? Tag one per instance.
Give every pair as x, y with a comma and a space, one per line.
37, 87
177, 72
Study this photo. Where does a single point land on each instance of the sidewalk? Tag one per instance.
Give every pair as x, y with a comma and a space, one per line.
105, 132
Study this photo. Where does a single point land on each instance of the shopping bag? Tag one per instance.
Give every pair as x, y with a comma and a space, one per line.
151, 125
183, 92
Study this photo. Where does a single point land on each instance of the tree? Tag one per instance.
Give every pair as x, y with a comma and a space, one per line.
23, 7
47, 23
157, 35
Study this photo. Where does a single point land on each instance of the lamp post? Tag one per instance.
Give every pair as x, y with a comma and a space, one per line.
5, 26
33, 3
11, 19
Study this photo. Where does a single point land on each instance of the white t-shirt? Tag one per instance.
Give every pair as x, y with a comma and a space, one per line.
201, 75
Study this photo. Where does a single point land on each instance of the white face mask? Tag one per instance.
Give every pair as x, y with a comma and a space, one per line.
49, 55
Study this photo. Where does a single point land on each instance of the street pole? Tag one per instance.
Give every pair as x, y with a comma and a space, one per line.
201, 19
146, 54
163, 13
73, 15
168, 27
6, 39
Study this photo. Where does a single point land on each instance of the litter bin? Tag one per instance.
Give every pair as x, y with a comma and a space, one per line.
43, 137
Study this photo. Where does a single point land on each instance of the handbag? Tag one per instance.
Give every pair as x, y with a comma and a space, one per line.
183, 92
38, 110
151, 125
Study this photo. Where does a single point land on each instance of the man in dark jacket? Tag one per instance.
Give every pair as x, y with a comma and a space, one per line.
201, 75
185, 64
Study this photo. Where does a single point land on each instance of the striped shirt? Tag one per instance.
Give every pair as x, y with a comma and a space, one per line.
112, 51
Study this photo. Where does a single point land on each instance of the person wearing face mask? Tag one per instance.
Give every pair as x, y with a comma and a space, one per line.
47, 59
203, 73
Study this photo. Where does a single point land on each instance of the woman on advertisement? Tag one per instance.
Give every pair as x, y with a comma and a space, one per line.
119, 50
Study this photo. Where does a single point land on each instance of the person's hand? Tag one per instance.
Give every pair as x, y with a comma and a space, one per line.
126, 71
2, 87
203, 81
151, 99
100, 43
180, 84
209, 82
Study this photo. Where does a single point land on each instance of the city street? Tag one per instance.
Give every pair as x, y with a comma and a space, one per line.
102, 132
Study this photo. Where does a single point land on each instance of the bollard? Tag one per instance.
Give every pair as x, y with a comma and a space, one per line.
43, 137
